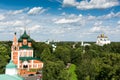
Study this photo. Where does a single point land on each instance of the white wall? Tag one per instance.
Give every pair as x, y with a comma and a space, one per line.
11, 71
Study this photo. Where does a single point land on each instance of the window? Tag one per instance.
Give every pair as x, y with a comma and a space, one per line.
34, 65
25, 66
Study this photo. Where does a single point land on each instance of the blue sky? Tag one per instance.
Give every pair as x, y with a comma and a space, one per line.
60, 20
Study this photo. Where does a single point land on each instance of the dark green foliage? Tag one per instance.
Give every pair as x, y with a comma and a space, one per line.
52, 70
4, 55
63, 54
92, 62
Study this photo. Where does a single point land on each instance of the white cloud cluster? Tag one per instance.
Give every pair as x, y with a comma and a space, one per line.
2, 17
118, 22
92, 4
75, 19
18, 11
34, 28
14, 23
70, 19
110, 15
70, 3
36, 10
63, 27
64, 20
99, 29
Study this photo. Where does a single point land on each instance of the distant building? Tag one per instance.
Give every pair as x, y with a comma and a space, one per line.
11, 72
102, 40
53, 47
23, 56
47, 41
85, 44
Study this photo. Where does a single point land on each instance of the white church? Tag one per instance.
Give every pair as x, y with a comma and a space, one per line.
11, 72
102, 40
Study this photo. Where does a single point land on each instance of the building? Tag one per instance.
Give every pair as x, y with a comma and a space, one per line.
22, 55
85, 44
11, 72
102, 40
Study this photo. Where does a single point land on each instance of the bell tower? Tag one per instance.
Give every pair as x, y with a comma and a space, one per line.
15, 43
14, 49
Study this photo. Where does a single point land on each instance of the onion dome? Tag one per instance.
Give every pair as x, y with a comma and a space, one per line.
20, 39
29, 39
25, 36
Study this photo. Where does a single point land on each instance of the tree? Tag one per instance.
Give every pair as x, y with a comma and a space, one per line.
52, 70
63, 53
76, 56
47, 55
4, 57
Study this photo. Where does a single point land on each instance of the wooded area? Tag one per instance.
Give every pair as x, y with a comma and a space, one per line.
73, 63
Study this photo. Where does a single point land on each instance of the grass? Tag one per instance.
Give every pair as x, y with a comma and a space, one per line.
72, 73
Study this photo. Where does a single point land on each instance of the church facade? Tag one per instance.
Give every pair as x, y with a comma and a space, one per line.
102, 40
22, 54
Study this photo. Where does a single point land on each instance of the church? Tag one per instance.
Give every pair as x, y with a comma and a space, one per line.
102, 40
22, 54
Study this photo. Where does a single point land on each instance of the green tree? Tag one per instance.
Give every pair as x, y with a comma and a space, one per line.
47, 55
62, 53
4, 57
52, 70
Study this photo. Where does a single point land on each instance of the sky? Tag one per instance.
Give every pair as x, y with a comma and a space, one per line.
60, 20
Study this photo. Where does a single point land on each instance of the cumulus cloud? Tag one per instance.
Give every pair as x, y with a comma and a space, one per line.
118, 22
70, 3
97, 29
15, 23
34, 28
70, 19
18, 11
2, 17
57, 31
63, 21
36, 10
92, 4
72, 26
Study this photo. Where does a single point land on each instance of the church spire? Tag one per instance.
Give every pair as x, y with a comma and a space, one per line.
15, 38
15, 42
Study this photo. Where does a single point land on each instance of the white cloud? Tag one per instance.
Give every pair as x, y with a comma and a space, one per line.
70, 3
18, 11
2, 17
36, 10
56, 31
97, 29
15, 23
118, 22
34, 28
98, 23
63, 21
92, 4
70, 19
110, 15
54, 26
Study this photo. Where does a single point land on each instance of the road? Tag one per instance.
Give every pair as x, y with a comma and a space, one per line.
33, 78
